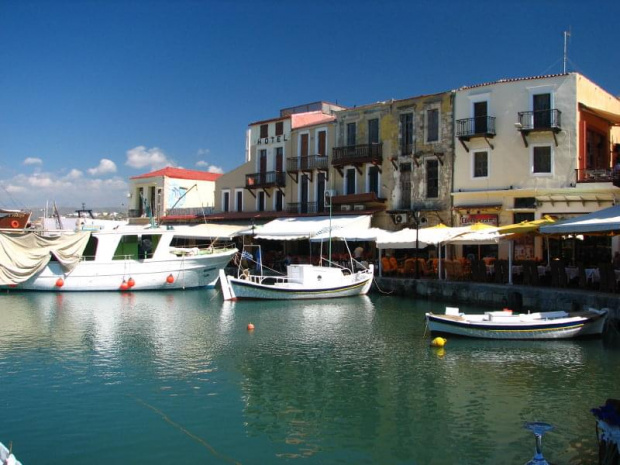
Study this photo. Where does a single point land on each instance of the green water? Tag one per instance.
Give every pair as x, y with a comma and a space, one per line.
177, 378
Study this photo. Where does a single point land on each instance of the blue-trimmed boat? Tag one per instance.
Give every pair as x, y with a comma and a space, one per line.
504, 324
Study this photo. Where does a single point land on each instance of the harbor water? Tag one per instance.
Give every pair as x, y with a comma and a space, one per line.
144, 378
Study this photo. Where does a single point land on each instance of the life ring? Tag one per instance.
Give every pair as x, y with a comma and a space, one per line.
14, 224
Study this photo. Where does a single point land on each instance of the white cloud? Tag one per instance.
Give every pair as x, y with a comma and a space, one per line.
33, 161
105, 166
210, 168
140, 157
69, 190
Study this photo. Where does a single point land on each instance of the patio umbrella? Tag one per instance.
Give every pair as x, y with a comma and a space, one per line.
526, 227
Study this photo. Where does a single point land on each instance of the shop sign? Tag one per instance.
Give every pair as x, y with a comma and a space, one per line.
467, 220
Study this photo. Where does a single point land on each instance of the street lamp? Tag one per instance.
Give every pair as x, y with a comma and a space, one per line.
418, 219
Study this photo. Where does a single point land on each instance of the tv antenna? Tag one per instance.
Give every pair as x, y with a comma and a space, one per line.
566, 36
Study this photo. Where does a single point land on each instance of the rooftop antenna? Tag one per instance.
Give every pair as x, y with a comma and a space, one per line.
566, 36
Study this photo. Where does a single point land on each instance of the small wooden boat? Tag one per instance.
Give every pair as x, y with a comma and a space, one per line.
14, 219
505, 324
300, 282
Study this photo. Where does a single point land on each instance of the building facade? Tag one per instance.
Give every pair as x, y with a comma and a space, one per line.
526, 148
171, 194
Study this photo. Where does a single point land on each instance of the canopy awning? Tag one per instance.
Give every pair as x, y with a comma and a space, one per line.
290, 229
612, 118
403, 239
212, 231
601, 221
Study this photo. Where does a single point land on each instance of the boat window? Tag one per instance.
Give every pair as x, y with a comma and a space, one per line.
190, 242
147, 245
127, 248
91, 248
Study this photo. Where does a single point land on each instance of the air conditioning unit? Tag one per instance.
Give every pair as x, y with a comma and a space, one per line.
400, 218
345, 208
358, 208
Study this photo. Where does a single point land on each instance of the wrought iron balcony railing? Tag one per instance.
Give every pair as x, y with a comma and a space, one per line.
306, 207
307, 163
594, 175
265, 179
541, 120
352, 154
483, 126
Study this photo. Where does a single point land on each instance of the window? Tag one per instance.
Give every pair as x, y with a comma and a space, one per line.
373, 131
264, 131
432, 179
261, 201
279, 128
480, 117
279, 159
525, 202
350, 181
303, 145
351, 135
239, 200
373, 179
542, 110
321, 143
406, 134
279, 201
225, 201
432, 125
541, 159
481, 164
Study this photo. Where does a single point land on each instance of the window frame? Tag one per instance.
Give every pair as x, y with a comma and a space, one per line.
427, 120
238, 196
473, 164
532, 160
225, 200
427, 178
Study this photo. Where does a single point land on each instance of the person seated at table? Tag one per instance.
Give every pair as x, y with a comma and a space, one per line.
616, 261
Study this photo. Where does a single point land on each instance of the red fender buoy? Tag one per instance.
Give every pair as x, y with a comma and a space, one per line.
170, 279
60, 282
131, 282
124, 285
250, 327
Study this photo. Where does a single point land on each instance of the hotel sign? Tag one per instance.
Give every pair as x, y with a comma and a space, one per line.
271, 140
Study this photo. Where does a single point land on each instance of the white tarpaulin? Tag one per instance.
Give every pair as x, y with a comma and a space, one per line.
403, 239
352, 233
601, 221
290, 229
24, 255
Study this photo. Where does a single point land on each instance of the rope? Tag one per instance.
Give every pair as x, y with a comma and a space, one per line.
185, 431
379, 288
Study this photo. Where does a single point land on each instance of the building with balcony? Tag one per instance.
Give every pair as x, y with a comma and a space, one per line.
394, 158
530, 147
171, 195
282, 162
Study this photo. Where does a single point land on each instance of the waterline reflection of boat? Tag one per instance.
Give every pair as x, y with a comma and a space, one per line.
522, 326
127, 258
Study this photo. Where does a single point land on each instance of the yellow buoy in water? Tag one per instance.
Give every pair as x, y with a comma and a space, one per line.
439, 342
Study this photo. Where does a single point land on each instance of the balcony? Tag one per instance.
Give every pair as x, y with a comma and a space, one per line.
357, 155
539, 121
480, 126
595, 175
306, 208
265, 179
307, 163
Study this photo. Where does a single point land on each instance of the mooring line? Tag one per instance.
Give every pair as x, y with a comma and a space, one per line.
198, 439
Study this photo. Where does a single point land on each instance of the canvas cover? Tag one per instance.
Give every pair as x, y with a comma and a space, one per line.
24, 255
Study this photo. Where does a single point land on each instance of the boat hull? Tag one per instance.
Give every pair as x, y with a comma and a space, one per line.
177, 273
247, 289
561, 328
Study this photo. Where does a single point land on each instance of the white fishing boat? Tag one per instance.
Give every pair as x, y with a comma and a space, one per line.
300, 282
126, 258
7, 457
505, 324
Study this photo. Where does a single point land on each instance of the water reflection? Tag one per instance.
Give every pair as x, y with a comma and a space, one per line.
350, 380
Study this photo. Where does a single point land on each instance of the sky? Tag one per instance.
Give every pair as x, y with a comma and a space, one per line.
94, 92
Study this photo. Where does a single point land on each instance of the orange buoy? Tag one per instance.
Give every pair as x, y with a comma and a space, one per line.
170, 279
14, 224
131, 282
124, 285
60, 282
250, 327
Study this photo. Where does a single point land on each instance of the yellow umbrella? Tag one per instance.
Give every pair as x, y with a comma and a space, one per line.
525, 226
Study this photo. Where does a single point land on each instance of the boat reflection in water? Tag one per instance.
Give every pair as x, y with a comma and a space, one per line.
350, 380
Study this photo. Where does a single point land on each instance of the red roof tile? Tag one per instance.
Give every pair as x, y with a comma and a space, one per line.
180, 173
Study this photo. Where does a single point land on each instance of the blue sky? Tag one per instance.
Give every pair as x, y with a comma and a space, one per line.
93, 92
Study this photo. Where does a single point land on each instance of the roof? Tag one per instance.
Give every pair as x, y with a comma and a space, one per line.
502, 81
300, 120
180, 173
